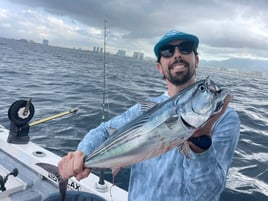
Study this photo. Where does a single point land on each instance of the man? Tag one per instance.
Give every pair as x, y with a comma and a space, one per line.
171, 176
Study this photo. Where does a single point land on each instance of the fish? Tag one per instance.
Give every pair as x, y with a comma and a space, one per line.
62, 183
160, 128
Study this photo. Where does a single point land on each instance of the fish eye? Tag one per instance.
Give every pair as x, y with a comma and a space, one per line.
202, 88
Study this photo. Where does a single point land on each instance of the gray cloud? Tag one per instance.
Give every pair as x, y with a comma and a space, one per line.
219, 24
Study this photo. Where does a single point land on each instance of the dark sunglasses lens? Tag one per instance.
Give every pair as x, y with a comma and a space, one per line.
186, 47
167, 51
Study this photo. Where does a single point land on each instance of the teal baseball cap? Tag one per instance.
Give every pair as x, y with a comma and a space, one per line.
174, 35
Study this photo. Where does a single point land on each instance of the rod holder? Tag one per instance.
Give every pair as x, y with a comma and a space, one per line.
19, 114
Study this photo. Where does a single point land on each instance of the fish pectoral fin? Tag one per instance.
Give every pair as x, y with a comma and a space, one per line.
115, 171
172, 120
55, 171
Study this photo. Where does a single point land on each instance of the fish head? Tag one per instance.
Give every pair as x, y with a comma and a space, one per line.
201, 101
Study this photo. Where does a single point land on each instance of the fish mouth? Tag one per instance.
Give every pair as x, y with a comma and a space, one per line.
219, 106
225, 94
189, 126
221, 97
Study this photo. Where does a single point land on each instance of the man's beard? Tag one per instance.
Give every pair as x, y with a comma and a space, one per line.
179, 78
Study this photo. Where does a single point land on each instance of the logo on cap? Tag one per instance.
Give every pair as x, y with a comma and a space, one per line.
171, 33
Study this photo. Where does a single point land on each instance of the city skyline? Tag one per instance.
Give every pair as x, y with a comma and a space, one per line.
258, 68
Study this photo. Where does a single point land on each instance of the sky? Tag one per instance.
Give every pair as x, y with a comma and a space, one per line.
226, 28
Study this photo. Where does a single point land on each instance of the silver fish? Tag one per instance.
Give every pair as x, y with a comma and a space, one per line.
161, 128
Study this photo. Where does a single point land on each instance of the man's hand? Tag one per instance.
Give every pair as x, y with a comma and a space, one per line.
73, 165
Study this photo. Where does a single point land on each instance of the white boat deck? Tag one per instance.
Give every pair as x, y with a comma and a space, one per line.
35, 184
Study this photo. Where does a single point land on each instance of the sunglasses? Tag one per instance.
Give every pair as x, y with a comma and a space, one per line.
185, 48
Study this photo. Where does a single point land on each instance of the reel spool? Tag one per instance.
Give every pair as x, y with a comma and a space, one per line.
19, 114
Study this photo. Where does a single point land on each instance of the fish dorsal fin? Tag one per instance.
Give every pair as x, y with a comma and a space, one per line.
147, 105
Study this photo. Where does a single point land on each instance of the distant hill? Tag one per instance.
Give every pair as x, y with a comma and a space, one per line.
240, 64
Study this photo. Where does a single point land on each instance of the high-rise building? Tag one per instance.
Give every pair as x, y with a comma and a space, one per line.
45, 42
138, 55
121, 53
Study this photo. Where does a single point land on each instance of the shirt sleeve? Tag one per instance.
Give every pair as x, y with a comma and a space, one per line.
206, 172
95, 137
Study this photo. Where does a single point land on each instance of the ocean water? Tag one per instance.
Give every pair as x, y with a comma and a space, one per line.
59, 79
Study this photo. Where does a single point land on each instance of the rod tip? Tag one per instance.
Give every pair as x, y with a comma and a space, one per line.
75, 110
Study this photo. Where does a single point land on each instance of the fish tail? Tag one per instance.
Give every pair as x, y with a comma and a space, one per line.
61, 182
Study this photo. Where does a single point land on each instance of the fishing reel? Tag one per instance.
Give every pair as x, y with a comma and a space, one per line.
19, 114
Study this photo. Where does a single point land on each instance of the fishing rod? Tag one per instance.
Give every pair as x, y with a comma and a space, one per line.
104, 70
101, 186
20, 113
72, 111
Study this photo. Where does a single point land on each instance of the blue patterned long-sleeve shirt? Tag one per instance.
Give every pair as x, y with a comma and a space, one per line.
171, 176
